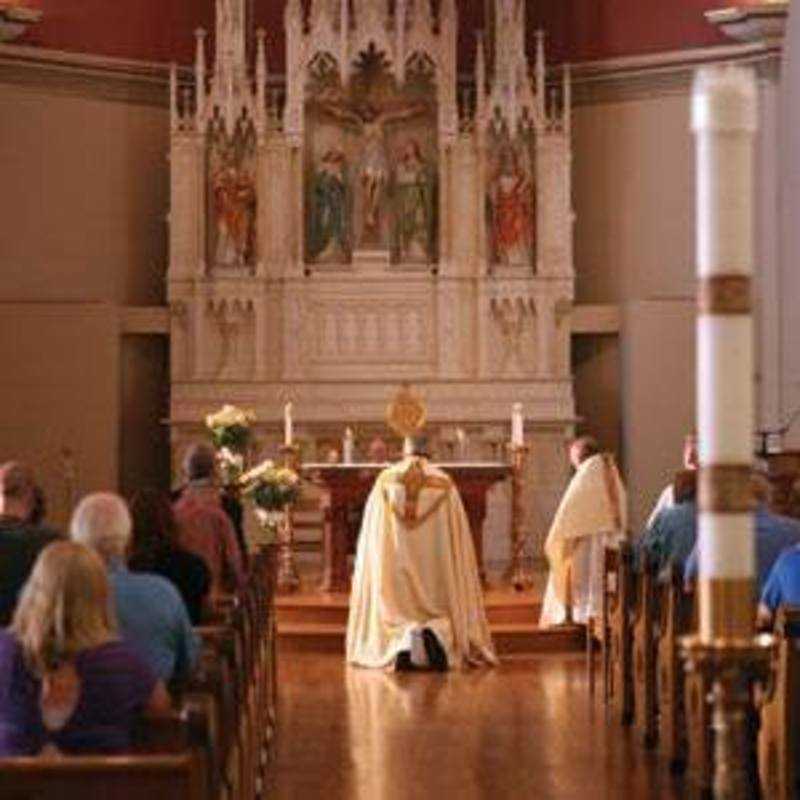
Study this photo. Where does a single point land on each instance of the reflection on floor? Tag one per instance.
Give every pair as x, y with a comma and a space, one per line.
525, 730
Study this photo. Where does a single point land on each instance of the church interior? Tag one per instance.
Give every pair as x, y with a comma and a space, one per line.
401, 399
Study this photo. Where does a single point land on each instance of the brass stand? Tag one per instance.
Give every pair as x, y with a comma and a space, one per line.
288, 580
518, 574
730, 667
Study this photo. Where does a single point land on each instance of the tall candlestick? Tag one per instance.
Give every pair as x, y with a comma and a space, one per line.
517, 426
347, 446
288, 430
725, 653
724, 118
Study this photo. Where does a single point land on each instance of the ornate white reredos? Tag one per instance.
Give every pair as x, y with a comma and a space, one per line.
376, 225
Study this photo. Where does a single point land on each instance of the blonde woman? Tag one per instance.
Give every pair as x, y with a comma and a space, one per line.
66, 679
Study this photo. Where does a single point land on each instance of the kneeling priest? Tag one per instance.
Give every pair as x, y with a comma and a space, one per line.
417, 599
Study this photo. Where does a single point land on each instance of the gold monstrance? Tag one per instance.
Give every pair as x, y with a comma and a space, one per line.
406, 414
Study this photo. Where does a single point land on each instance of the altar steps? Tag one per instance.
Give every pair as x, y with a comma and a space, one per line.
509, 639
317, 623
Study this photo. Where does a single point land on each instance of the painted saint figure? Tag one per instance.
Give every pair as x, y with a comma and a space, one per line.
511, 212
329, 218
414, 206
234, 210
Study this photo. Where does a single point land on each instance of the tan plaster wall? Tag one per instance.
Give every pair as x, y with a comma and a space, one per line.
60, 392
634, 245
83, 232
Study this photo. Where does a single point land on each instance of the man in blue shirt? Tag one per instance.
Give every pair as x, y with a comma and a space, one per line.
773, 535
671, 534
150, 611
782, 587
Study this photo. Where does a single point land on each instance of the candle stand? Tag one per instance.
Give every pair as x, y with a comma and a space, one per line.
518, 574
288, 580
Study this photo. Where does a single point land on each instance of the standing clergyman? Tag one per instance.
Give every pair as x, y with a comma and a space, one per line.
591, 513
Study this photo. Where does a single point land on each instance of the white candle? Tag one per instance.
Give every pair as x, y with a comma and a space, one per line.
287, 425
347, 446
724, 116
517, 426
461, 436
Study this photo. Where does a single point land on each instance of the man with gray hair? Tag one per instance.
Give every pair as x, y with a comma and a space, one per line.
21, 541
151, 614
203, 526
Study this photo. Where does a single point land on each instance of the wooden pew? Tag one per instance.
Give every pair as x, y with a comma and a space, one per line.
645, 649
619, 649
607, 600
675, 610
779, 737
169, 761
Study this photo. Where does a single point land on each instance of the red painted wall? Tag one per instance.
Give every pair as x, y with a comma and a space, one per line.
578, 30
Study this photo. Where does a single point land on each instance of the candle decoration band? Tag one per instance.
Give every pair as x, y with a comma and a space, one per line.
726, 489
725, 295
727, 608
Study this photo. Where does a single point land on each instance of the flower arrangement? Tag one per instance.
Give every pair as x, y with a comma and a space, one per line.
230, 428
271, 488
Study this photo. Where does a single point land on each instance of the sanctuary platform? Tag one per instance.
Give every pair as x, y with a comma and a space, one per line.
314, 621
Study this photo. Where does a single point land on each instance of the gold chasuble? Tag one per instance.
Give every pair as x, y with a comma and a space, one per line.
416, 568
591, 513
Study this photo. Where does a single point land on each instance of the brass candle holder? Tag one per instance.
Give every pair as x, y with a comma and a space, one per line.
288, 579
518, 575
730, 667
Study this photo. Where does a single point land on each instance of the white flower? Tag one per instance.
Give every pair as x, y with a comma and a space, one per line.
264, 468
228, 416
228, 458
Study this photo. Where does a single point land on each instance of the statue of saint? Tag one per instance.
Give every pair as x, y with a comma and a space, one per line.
329, 214
414, 206
373, 166
511, 212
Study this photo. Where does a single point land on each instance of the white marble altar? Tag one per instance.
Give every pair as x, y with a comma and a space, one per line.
373, 229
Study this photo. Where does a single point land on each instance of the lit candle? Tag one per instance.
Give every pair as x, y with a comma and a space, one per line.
517, 426
287, 425
347, 446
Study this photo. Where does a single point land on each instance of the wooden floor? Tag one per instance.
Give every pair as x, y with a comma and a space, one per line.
524, 730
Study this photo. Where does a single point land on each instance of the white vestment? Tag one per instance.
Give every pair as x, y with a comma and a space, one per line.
591, 514
416, 568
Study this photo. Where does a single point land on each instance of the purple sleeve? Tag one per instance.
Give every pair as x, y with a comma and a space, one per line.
143, 683
117, 674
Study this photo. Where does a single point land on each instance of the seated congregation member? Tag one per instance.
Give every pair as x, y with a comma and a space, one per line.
782, 587
670, 537
155, 549
417, 600
773, 535
22, 537
150, 611
66, 679
690, 462
591, 514
203, 526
